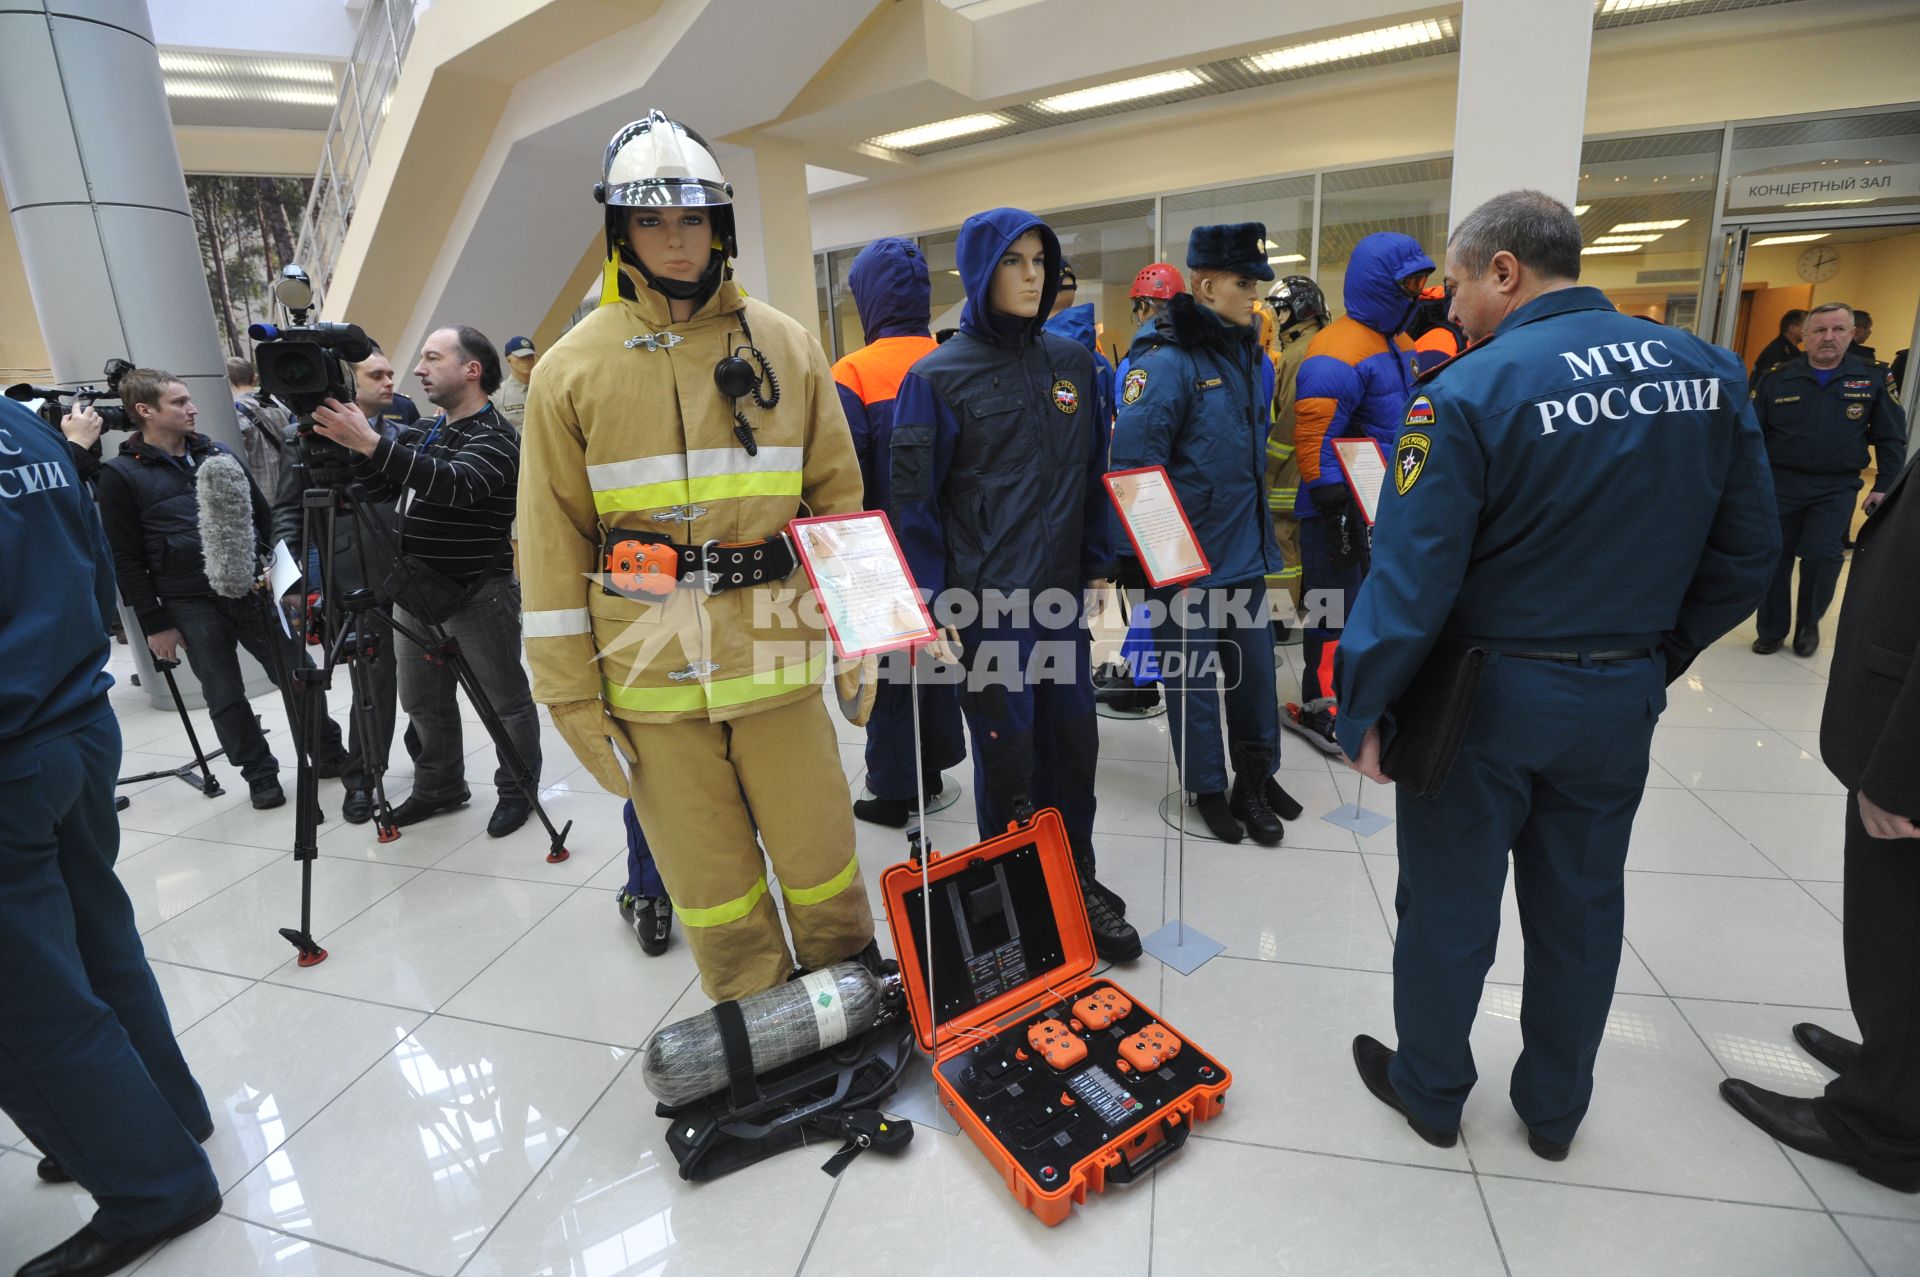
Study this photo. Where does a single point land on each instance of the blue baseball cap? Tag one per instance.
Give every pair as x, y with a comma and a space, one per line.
519, 346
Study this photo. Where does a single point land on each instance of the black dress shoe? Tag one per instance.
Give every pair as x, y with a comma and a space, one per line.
357, 809
1832, 1050
88, 1254
417, 809
509, 814
1218, 816
54, 1173
1807, 641
1543, 1147
1765, 646
1372, 1057
1795, 1122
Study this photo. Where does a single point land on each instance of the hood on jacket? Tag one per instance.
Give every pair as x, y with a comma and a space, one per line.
984, 238
1075, 323
1185, 322
891, 289
1379, 263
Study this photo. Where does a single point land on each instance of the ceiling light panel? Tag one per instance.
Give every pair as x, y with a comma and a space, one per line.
1594, 250
1625, 239
1164, 84
926, 135
249, 91
1786, 239
1671, 224
1347, 48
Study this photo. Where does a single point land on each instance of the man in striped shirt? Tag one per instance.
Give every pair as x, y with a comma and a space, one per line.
453, 481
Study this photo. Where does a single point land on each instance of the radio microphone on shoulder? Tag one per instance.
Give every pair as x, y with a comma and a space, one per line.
226, 526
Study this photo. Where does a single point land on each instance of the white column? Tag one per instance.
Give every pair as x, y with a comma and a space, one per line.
775, 227
1523, 99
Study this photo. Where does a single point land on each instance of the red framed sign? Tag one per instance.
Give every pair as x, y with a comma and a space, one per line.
1365, 466
1163, 539
865, 588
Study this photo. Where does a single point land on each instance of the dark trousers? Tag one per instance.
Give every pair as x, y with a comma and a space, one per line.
376, 706
212, 630
1815, 512
1553, 767
1224, 629
890, 769
488, 632
89, 1068
1326, 615
1028, 702
642, 878
1873, 1109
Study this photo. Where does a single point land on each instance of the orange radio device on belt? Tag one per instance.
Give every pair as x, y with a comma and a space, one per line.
642, 567
1065, 1081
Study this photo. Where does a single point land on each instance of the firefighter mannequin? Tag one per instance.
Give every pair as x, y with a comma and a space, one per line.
1299, 311
674, 434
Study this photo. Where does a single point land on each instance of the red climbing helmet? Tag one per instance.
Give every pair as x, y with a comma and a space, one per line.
1159, 281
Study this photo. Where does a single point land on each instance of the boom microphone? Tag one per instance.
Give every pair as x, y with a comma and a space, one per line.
226, 526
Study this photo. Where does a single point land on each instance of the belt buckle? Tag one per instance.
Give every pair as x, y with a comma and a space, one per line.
709, 579
793, 555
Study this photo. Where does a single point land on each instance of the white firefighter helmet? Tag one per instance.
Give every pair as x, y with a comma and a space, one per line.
661, 163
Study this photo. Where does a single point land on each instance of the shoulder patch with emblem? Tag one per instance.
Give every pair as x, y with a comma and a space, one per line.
1065, 397
1134, 386
1420, 411
1410, 457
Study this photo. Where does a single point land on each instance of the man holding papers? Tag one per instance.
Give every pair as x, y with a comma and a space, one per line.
1196, 399
1500, 539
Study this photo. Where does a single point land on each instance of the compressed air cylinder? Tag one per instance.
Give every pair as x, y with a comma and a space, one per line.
686, 1060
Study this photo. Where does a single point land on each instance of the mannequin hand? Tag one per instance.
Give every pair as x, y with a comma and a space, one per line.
945, 647
1368, 764
598, 741
1882, 823
1095, 602
1872, 502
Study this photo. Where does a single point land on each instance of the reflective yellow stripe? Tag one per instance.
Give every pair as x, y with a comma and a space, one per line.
1293, 571
826, 890
767, 483
720, 915
1283, 499
1279, 451
647, 496
720, 692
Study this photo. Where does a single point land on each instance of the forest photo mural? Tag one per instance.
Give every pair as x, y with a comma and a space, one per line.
247, 226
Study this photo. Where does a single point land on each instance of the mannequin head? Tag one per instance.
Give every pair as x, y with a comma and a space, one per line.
673, 243
1017, 277
1227, 294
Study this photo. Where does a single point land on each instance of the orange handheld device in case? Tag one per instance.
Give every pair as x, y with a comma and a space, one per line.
1066, 1082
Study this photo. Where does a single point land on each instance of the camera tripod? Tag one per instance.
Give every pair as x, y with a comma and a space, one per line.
348, 638
205, 781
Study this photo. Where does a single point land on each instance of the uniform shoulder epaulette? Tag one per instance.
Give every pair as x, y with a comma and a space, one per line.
1450, 361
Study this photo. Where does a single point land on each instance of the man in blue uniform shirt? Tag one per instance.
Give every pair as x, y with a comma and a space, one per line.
89, 1068
1585, 497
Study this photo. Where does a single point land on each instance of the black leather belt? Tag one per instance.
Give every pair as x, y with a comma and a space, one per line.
634, 563
1621, 654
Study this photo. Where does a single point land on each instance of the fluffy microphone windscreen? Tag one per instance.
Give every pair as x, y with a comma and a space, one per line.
226, 526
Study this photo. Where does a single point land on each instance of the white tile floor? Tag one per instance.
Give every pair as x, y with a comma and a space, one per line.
454, 1090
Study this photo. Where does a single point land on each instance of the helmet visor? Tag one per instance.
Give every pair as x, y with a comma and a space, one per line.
669, 192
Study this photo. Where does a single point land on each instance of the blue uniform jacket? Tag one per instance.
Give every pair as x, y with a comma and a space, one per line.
1197, 399
1359, 370
1583, 480
892, 293
56, 589
998, 443
1075, 323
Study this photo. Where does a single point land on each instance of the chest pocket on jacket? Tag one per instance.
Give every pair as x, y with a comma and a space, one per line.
994, 434
1786, 410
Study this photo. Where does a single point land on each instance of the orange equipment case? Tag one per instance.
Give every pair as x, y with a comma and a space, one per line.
1066, 1082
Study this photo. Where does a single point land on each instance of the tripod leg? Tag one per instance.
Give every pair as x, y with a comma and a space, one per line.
208, 785
365, 726
503, 743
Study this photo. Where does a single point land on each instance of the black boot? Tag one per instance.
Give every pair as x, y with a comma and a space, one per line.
1220, 822
1251, 767
1114, 938
1285, 805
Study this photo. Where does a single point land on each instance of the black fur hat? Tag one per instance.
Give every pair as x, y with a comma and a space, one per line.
1237, 247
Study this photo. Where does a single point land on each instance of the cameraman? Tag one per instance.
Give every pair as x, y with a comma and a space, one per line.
356, 567
82, 427
454, 480
150, 505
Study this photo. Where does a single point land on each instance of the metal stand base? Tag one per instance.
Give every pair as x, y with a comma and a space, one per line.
918, 1101
1108, 711
949, 793
1178, 813
1352, 816
1182, 948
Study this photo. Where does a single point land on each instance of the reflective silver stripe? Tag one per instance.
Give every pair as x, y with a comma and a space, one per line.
712, 463
559, 623
642, 471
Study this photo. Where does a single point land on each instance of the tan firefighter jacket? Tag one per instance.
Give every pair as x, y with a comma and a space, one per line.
625, 429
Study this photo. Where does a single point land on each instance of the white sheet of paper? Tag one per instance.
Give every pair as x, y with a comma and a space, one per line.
1366, 471
281, 577
1147, 503
863, 584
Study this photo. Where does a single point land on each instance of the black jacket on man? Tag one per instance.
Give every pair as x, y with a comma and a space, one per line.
1870, 730
150, 506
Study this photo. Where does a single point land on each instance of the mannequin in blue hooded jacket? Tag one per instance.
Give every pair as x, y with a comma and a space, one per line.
998, 448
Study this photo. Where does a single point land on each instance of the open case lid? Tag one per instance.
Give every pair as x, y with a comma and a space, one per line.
1008, 921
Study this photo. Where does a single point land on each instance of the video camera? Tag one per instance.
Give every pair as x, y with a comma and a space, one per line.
56, 403
304, 365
